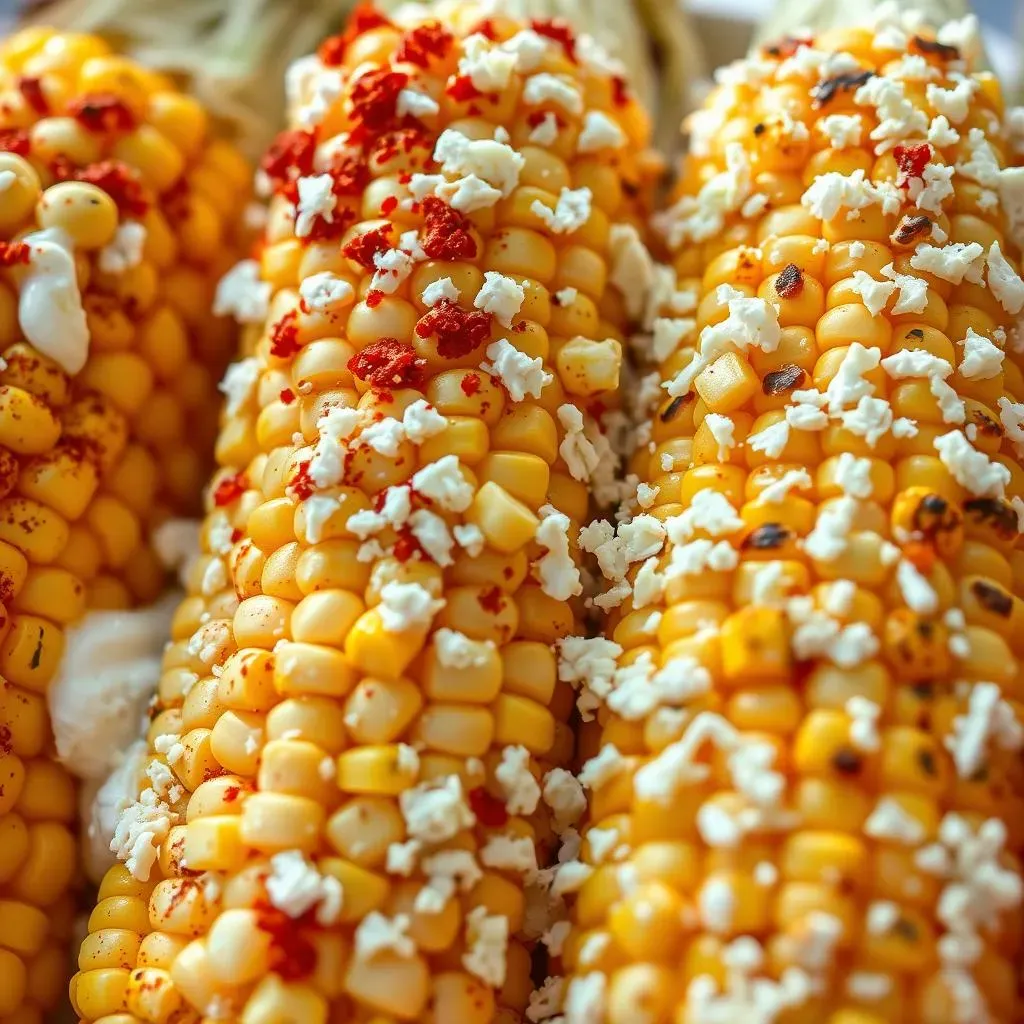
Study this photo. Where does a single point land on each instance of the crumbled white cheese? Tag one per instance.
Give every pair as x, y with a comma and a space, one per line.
547, 88
953, 104
546, 131
972, 469
413, 103
296, 886
326, 292
378, 934
242, 295
501, 296
316, 199
456, 650
833, 191
599, 132
982, 359
443, 483
405, 606
520, 374
1005, 282
436, 810
125, 251
436, 291
571, 212
493, 162
842, 130
521, 790
953, 262
557, 572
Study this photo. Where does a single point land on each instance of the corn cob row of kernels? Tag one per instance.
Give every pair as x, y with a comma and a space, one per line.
116, 219
348, 792
805, 804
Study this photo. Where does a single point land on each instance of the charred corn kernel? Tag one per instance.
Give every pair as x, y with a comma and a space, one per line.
797, 753
87, 477
390, 556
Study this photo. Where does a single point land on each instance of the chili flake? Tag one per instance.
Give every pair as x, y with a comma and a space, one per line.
32, 89
102, 112
374, 99
292, 954
489, 810
426, 41
364, 18
15, 140
470, 384
284, 336
911, 160
457, 330
491, 600
287, 396
446, 234
407, 547
388, 362
230, 489
559, 30
289, 157
620, 91
302, 485
121, 183
462, 89
13, 253
485, 28
364, 247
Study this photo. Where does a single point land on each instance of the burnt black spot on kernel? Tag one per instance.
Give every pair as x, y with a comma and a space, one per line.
943, 51
1000, 514
992, 598
766, 537
784, 379
926, 761
825, 92
673, 407
847, 761
790, 282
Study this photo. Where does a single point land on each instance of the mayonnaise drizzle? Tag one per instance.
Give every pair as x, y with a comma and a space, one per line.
49, 304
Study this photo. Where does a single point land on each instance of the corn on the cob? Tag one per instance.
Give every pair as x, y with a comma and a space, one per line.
112, 206
360, 696
805, 806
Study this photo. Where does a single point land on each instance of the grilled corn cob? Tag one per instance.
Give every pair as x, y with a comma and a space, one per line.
112, 204
806, 803
344, 797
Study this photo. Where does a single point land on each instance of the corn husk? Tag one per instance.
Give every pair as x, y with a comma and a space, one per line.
788, 16
233, 53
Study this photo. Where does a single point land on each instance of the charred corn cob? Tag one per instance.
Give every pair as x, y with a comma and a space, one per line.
112, 205
805, 806
347, 790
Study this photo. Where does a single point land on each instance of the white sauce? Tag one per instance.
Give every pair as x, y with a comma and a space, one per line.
49, 303
109, 671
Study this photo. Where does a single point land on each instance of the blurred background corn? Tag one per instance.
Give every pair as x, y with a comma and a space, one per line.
113, 212
233, 56
805, 794
349, 786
